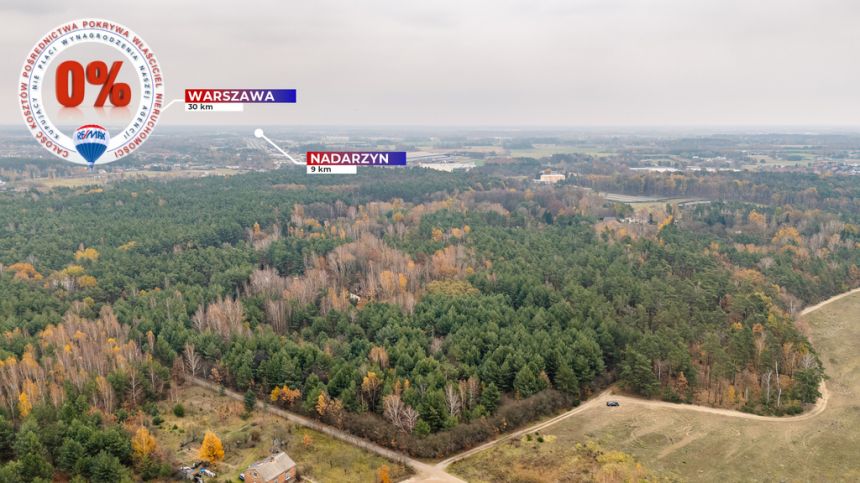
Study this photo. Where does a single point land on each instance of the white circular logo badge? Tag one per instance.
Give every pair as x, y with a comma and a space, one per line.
91, 91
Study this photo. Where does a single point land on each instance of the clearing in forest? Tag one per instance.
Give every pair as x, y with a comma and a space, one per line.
698, 446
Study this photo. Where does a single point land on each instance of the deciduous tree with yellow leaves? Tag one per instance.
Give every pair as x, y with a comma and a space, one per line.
143, 444
24, 405
211, 450
89, 254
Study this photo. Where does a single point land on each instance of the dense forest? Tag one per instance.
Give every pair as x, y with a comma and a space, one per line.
425, 311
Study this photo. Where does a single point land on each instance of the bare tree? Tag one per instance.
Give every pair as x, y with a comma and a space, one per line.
452, 399
808, 361
392, 409
469, 392
766, 382
410, 418
379, 355
402, 416
778, 385
276, 313
192, 359
155, 379
134, 388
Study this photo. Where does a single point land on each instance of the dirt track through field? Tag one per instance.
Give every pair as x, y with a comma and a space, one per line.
432, 473
601, 399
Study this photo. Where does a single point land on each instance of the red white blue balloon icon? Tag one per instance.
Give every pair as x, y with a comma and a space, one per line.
91, 141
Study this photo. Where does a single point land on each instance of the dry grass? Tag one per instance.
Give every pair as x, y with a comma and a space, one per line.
700, 447
543, 457
324, 460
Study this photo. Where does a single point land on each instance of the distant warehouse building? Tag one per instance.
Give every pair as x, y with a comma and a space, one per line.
438, 161
448, 167
550, 178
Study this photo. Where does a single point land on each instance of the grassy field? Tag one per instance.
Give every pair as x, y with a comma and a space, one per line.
323, 459
540, 458
693, 446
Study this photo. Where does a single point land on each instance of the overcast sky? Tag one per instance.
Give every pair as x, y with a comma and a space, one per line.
489, 62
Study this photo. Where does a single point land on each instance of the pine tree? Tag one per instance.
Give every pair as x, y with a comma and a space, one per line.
7, 439
566, 382
490, 397
250, 401
637, 375
33, 456
71, 453
106, 468
526, 382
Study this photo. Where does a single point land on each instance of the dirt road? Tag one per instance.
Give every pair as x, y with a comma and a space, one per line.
433, 473
423, 471
817, 306
600, 400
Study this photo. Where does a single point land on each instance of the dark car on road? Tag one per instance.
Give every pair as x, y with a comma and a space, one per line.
613, 403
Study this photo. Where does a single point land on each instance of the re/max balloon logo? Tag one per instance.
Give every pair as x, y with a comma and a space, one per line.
99, 135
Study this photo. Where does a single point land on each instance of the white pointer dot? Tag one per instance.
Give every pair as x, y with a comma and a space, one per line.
258, 132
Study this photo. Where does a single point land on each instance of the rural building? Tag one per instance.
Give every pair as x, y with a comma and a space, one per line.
277, 468
550, 177
448, 167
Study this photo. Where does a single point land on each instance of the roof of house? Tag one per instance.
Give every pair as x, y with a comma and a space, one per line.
270, 467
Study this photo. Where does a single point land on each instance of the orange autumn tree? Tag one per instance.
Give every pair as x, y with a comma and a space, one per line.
286, 394
382, 474
143, 443
25, 271
211, 450
322, 404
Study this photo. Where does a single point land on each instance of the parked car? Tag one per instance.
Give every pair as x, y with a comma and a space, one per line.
613, 403
241, 476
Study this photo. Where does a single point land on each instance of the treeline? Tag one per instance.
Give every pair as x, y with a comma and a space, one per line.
837, 194
77, 398
810, 254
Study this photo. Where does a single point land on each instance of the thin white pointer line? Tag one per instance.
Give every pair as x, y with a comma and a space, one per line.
260, 134
170, 104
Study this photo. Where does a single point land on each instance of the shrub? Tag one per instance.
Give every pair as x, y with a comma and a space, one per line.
179, 411
424, 444
793, 409
150, 408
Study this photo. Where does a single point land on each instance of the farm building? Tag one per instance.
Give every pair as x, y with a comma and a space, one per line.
277, 468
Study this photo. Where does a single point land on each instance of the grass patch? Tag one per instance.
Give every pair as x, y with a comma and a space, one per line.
318, 456
695, 446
